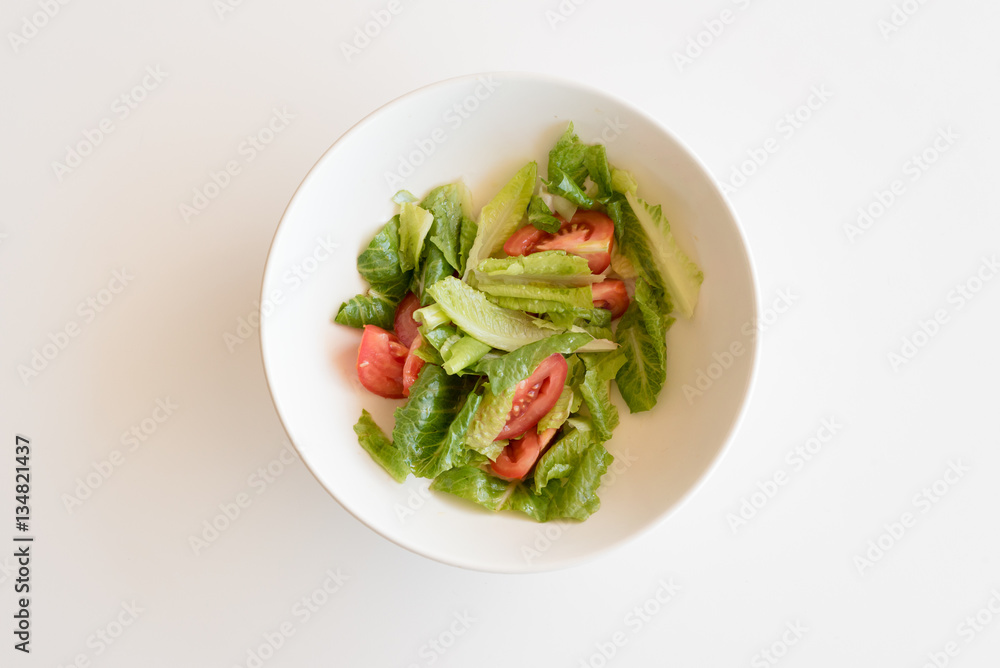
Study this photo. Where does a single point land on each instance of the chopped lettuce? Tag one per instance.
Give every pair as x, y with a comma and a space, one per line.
596, 388
641, 334
414, 224
379, 264
554, 267
477, 316
381, 449
447, 205
366, 310
423, 424
540, 215
463, 353
490, 418
681, 277
502, 215
581, 297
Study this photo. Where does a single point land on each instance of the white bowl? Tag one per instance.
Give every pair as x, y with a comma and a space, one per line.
482, 129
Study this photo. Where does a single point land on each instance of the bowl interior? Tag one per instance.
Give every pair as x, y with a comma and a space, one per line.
482, 129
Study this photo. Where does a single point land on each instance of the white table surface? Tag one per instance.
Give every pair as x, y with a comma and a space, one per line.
910, 457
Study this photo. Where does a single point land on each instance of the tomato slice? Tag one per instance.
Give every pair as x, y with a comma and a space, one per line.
380, 362
610, 294
404, 324
518, 458
412, 365
590, 234
535, 396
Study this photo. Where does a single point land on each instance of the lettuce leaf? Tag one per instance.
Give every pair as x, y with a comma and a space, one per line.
446, 204
540, 215
561, 458
474, 484
414, 224
503, 214
495, 326
423, 424
463, 353
641, 334
595, 390
467, 237
381, 449
555, 267
574, 494
490, 418
379, 264
581, 297
366, 310
435, 266
680, 275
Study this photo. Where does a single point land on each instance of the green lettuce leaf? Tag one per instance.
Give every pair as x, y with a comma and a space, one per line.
540, 215
474, 484
555, 267
561, 458
595, 390
381, 449
467, 237
581, 297
379, 264
641, 334
464, 353
623, 182
474, 314
573, 495
366, 310
434, 267
446, 204
490, 418
680, 275
506, 371
414, 224
596, 161
503, 214
423, 423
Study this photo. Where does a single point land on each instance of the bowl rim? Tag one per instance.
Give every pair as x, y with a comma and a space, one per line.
754, 350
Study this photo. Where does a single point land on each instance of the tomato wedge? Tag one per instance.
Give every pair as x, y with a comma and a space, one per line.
412, 365
610, 294
590, 234
404, 324
535, 396
518, 458
380, 362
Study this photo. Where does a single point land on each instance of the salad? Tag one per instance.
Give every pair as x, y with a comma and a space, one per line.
504, 332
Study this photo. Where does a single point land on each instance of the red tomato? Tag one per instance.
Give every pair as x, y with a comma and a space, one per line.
405, 325
412, 366
590, 234
610, 294
517, 459
535, 396
380, 362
